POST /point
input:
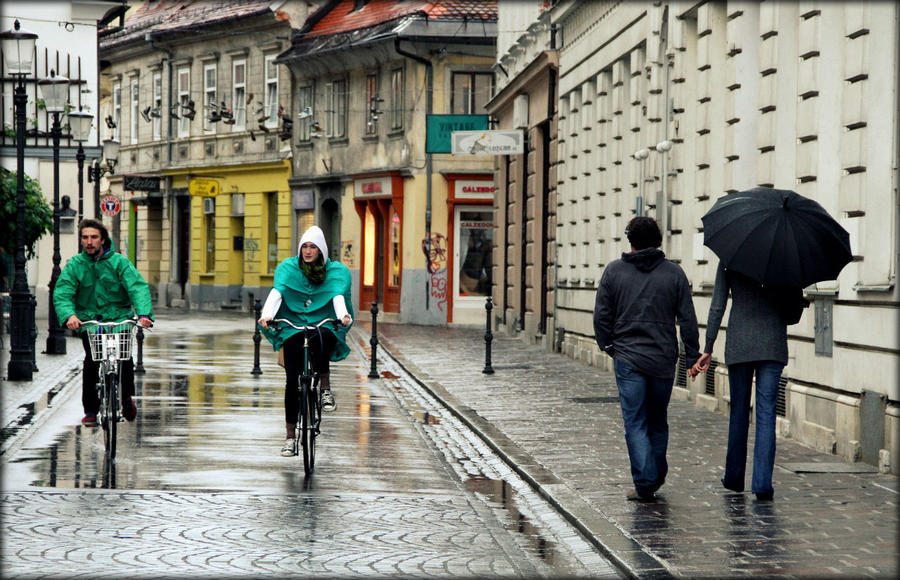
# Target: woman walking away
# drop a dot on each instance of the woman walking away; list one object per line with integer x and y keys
{"x": 308, "y": 289}
{"x": 756, "y": 343}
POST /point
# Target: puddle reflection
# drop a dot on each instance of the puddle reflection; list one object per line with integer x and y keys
{"x": 501, "y": 494}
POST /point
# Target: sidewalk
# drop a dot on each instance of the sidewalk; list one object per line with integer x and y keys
{"x": 559, "y": 422}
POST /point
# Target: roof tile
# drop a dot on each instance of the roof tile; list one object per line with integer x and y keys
{"x": 342, "y": 18}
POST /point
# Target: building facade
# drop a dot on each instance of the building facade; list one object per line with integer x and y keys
{"x": 204, "y": 116}
{"x": 380, "y": 85}
{"x": 722, "y": 97}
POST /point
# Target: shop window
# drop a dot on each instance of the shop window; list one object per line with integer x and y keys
{"x": 271, "y": 232}
{"x": 394, "y": 255}
{"x": 475, "y": 243}
{"x": 210, "y": 219}
{"x": 369, "y": 250}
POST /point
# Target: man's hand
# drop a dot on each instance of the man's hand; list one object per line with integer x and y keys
{"x": 346, "y": 320}
{"x": 264, "y": 322}
{"x": 145, "y": 321}
{"x": 73, "y": 323}
{"x": 701, "y": 366}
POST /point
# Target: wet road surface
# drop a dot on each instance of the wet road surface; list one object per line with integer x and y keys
{"x": 199, "y": 487}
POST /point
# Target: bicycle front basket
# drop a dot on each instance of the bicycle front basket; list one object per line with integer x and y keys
{"x": 112, "y": 341}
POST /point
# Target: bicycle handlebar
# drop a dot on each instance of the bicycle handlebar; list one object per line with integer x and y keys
{"x": 308, "y": 327}
{"x": 131, "y": 321}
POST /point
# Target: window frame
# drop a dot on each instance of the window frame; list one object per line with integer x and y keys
{"x": 306, "y": 97}
{"x": 210, "y": 96}
{"x": 337, "y": 109}
{"x": 471, "y": 106}
{"x": 117, "y": 109}
{"x": 183, "y": 96}
{"x": 397, "y": 98}
{"x": 371, "y": 119}
{"x": 271, "y": 91}
{"x": 239, "y": 105}
{"x": 135, "y": 110}
{"x": 157, "y": 106}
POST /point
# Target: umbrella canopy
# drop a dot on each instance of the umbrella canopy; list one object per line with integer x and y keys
{"x": 777, "y": 237}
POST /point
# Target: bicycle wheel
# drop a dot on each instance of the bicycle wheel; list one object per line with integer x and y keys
{"x": 307, "y": 441}
{"x": 110, "y": 410}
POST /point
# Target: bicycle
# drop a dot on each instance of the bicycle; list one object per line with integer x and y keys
{"x": 309, "y": 420}
{"x": 110, "y": 343}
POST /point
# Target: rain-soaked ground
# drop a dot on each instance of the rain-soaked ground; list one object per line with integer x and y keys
{"x": 199, "y": 486}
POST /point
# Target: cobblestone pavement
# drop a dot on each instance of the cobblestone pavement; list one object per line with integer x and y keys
{"x": 559, "y": 421}
{"x": 401, "y": 488}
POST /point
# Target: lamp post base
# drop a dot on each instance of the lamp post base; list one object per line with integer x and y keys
{"x": 56, "y": 343}
{"x": 21, "y": 323}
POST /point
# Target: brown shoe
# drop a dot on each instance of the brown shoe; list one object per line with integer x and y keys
{"x": 633, "y": 495}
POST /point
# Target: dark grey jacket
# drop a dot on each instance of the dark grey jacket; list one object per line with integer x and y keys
{"x": 755, "y": 330}
{"x": 639, "y": 299}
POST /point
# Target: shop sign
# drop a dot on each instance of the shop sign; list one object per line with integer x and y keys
{"x": 373, "y": 187}
{"x": 203, "y": 187}
{"x": 140, "y": 183}
{"x": 110, "y": 205}
{"x": 487, "y": 143}
{"x": 439, "y": 128}
{"x": 472, "y": 189}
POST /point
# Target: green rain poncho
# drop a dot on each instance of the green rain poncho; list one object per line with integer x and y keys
{"x": 305, "y": 303}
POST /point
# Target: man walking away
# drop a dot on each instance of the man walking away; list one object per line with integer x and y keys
{"x": 639, "y": 300}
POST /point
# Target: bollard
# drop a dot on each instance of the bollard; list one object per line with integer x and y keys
{"x": 32, "y": 300}
{"x": 257, "y": 337}
{"x": 373, "y": 341}
{"x": 488, "y": 337}
{"x": 139, "y": 365}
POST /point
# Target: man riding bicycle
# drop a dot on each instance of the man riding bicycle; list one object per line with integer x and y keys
{"x": 308, "y": 289}
{"x": 101, "y": 284}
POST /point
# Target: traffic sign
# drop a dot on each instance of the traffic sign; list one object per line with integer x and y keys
{"x": 110, "y": 205}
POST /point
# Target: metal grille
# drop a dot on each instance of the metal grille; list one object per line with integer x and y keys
{"x": 781, "y": 399}
{"x": 681, "y": 371}
{"x": 711, "y": 378}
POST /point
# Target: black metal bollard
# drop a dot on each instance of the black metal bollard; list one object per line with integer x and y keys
{"x": 257, "y": 337}
{"x": 488, "y": 337}
{"x": 139, "y": 365}
{"x": 32, "y": 299}
{"x": 373, "y": 341}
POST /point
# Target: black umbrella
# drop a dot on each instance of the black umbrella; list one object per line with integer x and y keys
{"x": 777, "y": 237}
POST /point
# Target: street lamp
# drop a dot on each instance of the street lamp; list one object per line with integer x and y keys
{"x": 18, "y": 52}
{"x": 80, "y": 127}
{"x": 96, "y": 171}
{"x": 55, "y": 92}
{"x": 641, "y": 155}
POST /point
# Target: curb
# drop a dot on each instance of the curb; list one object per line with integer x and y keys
{"x": 624, "y": 552}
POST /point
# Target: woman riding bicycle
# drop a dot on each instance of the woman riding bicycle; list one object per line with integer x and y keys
{"x": 307, "y": 290}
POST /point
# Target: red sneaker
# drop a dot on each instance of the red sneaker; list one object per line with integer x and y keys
{"x": 89, "y": 420}
{"x": 129, "y": 409}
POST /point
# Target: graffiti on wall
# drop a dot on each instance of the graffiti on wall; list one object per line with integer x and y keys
{"x": 348, "y": 256}
{"x": 436, "y": 260}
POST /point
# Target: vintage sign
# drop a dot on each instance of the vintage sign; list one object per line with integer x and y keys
{"x": 439, "y": 128}
{"x": 140, "y": 183}
{"x": 110, "y": 205}
{"x": 487, "y": 143}
{"x": 203, "y": 187}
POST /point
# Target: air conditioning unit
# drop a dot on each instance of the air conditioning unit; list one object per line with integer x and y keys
{"x": 209, "y": 205}
{"x": 237, "y": 204}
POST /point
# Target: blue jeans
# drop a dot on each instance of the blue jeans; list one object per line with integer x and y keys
{"x": 740, "y": 377}
{"x": 645, "y": 401}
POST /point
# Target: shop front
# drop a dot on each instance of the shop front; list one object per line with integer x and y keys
{"x": 378, "y": 200}
{"x": 471, "y": 238}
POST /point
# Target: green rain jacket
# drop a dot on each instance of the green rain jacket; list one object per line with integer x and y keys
{"x": 109, "y": 288}
{"x": 305, "y": 303}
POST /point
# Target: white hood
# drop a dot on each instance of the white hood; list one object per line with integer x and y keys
{"x": 315, "y": 235}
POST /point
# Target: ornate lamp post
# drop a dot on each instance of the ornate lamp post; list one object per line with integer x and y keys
{"x": 80, "y": 127}
{"x": 96, "y": 170}
{"x": 18, "y": 52}
{"x": 55, "y": 92}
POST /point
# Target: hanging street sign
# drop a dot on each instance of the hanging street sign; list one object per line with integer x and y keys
{"x": 110, "y": 205}
{"x": 487, "y": 143}
{"x": 203, "y": 187}
{"x": 438, "y": 129}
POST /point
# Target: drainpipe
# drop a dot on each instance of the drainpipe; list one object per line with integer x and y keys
{"x": 429, "y": 87}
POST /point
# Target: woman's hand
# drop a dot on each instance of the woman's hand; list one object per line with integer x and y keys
{"x": 701, "y": 366}
{"x": 264, "y": 322}
{"x": 346, "y": 320}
